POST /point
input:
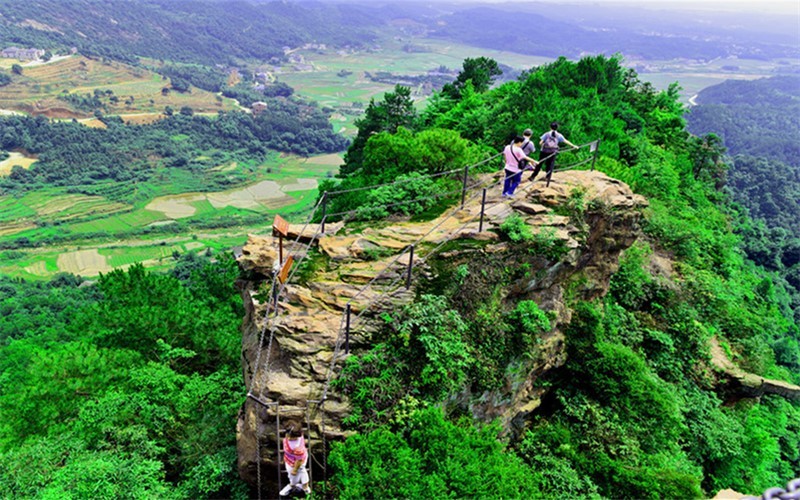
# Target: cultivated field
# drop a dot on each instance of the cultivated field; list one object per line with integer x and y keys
{"x": 323, "y": 84}
{"x": 15, "y": 158}
{"x": 177, "y": 215}
{"x": 104, "y": 234}
{"x": 37, "y": 89}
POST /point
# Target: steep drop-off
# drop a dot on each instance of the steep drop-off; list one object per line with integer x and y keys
{"x": 307, "y": 328}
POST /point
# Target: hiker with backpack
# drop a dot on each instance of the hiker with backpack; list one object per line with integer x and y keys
{"x": 549, "y": 143}
{"x": 528, "y": 147}
{"x": 515, "y": 162}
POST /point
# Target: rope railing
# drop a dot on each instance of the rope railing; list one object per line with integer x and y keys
{"x": 341, "y": 337}
{"x": 321, "y": 203}
{"x": 269, "y": 306}
{"x": 397, "y": 204}
{"x": 428, "y": 176}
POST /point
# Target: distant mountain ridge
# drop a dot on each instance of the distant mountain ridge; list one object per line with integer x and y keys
{"x": 181, "y": 30}
{"x": 539, "y": 30}
{"x": 226, "y": 31}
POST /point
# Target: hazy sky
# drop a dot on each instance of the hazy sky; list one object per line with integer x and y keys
{"x": 780, "y": 6}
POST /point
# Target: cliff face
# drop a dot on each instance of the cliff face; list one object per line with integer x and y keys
{"x": 601, "y": 221}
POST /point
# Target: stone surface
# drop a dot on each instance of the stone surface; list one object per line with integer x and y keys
{"x": 303, "y": 346}
{"x": 743, "y": 384}
{"x": 259, "y": 255}
{"x": 530, "y": 208}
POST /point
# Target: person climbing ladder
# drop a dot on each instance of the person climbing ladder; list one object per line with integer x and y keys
{"x": 295, "y": 457}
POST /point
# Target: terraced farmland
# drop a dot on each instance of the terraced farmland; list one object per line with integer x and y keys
{"x": 33, "y": 209}
{"x": 37, "y": 89}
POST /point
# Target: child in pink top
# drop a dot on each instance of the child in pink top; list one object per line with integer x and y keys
{"x": 295, "y": 456}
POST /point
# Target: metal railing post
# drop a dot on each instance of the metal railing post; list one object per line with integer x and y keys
{"x": 324, "y": 211}
{"x": 347, "y": 330}
{"x": 483, "y": 206}
{"x": 464, "y": 187}
{"x": 308, "y": 446}
{"x": 596, "y": 150}
{"x": 278, "y": 441}
{"x": 410, "y": 266}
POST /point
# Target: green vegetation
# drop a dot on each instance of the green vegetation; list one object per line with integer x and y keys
{"x": 426, "y": 455}
{"x": 78, "y": 86}
{"x": 756, "y": 122}
{"x": 128, "y": 387}
{"x": 637, "y": 411}
{"x": 386, "y": 151}
{"x": 127, "y": 180}
{"x": 199, "y": 32}
{"x": 73, "y": 155}
{"x": 146, "y": 364}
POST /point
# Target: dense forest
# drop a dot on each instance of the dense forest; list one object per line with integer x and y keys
{"x": 129, "y": 386}
{"x": 634, "y": 413}
{"x": 757, "y": 122}
{"x": 70, "y": 154}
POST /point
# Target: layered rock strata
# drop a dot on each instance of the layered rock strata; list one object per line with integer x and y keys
{"x": 291, "y": 373}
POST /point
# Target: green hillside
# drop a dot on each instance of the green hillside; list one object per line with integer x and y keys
{"x": 757, "y": 123}
{"x": 186, "y": 31}
{"x": 130, "y": 387}
{"x": 634, "y": 413}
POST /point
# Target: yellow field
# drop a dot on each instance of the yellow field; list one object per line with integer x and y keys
{"x": 37, "y": 89}
{"x": 15, "y": 227}
{"x": 15, "y": 159}
{"x": 333, "y": 160}
{"x": 84, "y": 262}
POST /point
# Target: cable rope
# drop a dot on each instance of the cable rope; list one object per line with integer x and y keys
{"x": 572, "y": 166}
{"x": 398, "y": 256}
{"x": 429, "y": 176}
{"x": 389, "y": 289}
{"x": 258, "y": 454}
{"x": 399, "y": 203}
{"x": 261, "y": 334}
{"x": 266, "y": 321}
{"x": 274, "y": 325}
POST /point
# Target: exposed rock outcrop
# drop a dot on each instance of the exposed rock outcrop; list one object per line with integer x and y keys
{"x": 298, "y": 345}
{"x": 743, "y": 384}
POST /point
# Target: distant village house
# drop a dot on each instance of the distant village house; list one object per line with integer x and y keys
{"x": 22, "y": 54}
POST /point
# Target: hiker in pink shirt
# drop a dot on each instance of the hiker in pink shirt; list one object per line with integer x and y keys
{"x": 516, "y": 161}
{"x": 295, "y": 456}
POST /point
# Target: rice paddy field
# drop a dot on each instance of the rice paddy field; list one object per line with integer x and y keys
{"x": 323, "y": 84}
{"x": 104, "y": 234}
